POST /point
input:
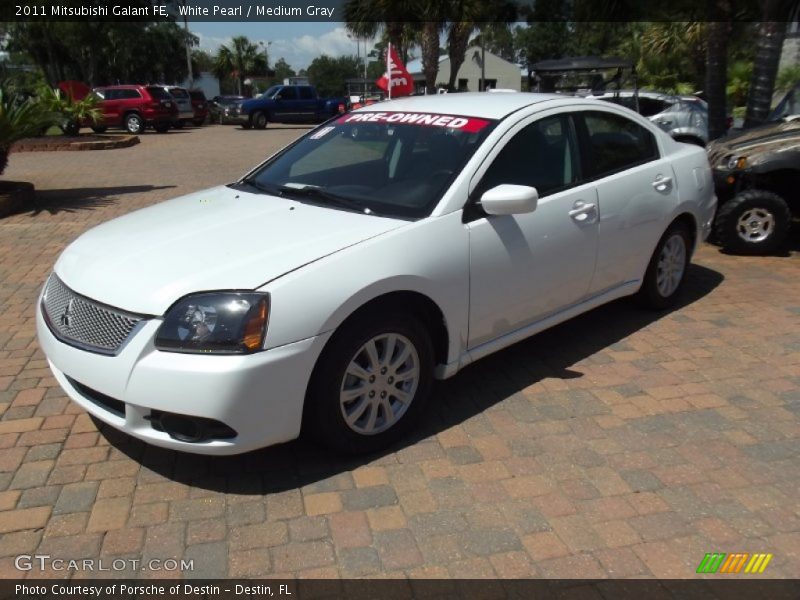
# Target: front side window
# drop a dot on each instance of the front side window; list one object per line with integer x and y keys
{"x": 287, "y": 93}
{"x": 616, "y": 143}
{"x": 542, "y": 155}
{"x": 306, "y": 94}
{"x": 388, "y": 163}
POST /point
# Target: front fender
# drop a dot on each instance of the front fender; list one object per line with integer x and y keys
{"x": 429, "y": 257}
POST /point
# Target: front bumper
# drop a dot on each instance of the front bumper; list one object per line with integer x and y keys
{"x": 260, "y": 396}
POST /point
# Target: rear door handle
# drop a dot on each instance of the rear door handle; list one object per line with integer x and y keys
{"x": 662, "y": 183}
{"x": 582, "y": 211}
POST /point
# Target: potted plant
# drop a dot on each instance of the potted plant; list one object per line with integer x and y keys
{"x": 19, "y": 118}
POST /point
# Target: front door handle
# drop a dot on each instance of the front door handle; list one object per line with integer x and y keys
{"x": 582, "y": 211}
{"x": 662, "y": 183}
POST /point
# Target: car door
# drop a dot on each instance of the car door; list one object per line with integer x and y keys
{"x": 286, "y": 104}
{"x": 111, "y": 106}
{"x": 635, "y": 193}
{"x": 307, "y": 103}
{"x": 525, "y": 267}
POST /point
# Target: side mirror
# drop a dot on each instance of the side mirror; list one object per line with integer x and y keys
{"x": 508, "y": 199}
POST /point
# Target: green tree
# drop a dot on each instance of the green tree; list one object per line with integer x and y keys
{"x": 329, "y": 74}
{"x": 201, "y": 61}
{"x": 238, "y": 60}
{"x": 283, "y": 70}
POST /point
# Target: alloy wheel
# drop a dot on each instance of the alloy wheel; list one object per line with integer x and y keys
{"x": 379, "y": 383}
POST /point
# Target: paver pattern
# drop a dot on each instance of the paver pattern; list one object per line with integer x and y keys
{"x": 625, "y": 443}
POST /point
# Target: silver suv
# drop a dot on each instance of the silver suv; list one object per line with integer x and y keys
{"x": 184, "y": 103}
{"x": 685, "y": 118}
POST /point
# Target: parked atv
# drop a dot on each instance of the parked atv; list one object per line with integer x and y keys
{"x": 757, "y": 180}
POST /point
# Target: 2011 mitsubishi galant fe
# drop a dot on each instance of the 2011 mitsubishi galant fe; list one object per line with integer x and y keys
{"x": 392, "y": 245}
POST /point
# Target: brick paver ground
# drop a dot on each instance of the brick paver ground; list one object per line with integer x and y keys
{"x": 623, "y": 444}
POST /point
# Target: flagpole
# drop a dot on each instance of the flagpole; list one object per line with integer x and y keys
{"x": 389, "y": 68}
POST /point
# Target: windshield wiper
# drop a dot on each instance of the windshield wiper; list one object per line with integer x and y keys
{"x": 311, "y": 191}
{"x": 267, "y": 189}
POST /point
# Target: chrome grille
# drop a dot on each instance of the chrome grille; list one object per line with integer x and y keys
{"x": 80, "y": 321}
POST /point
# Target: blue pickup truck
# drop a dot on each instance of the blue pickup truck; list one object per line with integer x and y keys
{"x": 289, "y": 104}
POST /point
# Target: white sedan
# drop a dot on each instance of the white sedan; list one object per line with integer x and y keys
{"x": 398, "y": 243}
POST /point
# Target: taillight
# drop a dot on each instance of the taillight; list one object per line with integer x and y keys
{"x": 341, "y": 107}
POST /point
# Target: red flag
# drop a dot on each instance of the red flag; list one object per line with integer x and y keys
{"x": 396, "y": 81}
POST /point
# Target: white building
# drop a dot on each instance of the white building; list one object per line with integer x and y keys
{"x": 499, "y": 73}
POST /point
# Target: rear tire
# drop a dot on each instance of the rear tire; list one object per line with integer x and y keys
{"x": 134, "y": 124}
{"x": 666, "y": 273}
{"x": 753, "y": 222}
{"x": 198, "y": 122}
{"x": 260, "y": 120}
{"x": 387, "y": 355}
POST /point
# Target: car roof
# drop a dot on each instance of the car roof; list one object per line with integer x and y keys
{"x": 468, "y": 104}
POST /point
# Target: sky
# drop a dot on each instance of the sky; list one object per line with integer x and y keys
{"x": 298, "y": 43}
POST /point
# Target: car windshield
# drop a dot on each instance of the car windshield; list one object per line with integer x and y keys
{"x": 272, "y": 91}
{"x": 789, "y": 106}
{"x": 386, "y": 163}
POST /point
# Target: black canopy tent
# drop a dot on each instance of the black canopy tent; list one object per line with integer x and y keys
{"x": 548, "y": 73}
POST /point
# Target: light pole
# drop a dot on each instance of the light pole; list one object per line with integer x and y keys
{"x": 266, "y": 59}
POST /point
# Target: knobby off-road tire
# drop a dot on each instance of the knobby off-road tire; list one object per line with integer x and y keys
{"x": 753, "y": 222}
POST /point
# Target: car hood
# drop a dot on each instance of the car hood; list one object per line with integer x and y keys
{"x": 217, "y": 239}
{"x": 770, "y": 137}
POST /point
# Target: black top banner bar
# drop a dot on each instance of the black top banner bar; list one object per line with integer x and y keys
{"x": 368, "y": 11}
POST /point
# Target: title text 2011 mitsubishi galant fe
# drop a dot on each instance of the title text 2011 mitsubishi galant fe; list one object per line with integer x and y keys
{"x": 395, "y": 244}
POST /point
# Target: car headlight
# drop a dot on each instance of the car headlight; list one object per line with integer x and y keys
{"x": 736, "y": 162}
{"x": 215, "y": 323}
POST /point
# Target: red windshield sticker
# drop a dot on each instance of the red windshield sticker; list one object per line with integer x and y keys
{"x": 468, "y": 124}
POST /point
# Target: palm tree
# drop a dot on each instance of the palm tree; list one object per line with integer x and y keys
{"x": 769, "y": 44}
{"x": 457, "y": 41}
{"x": 367, "y": 18}
{"x": 719, "y": 27}
{"x": 238, "y": 59}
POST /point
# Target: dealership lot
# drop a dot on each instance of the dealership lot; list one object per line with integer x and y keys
{"x": 625, "y": 443}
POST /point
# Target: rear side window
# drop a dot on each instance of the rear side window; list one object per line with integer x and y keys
{"x": 616, "y": 143}
{"x": 178, "y": 93}
{"x": 128, "y": 94}
{"x": 305, "y": 93}
{"x": 158, "y": 93}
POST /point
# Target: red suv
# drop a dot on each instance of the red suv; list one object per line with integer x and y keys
{"x": 200, "y": 106}
{"x": 135, "y": 107}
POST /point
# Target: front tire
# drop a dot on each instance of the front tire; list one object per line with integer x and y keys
{"x": 371, "y": 383}
{"x": 666, "y": 273}
{"x": 260, "y": 120}
{"x": 753, "y": 222}
{"x": 134, "y": 124}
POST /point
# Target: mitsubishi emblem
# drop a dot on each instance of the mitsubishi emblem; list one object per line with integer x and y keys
{"x": 66, "y": 316}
